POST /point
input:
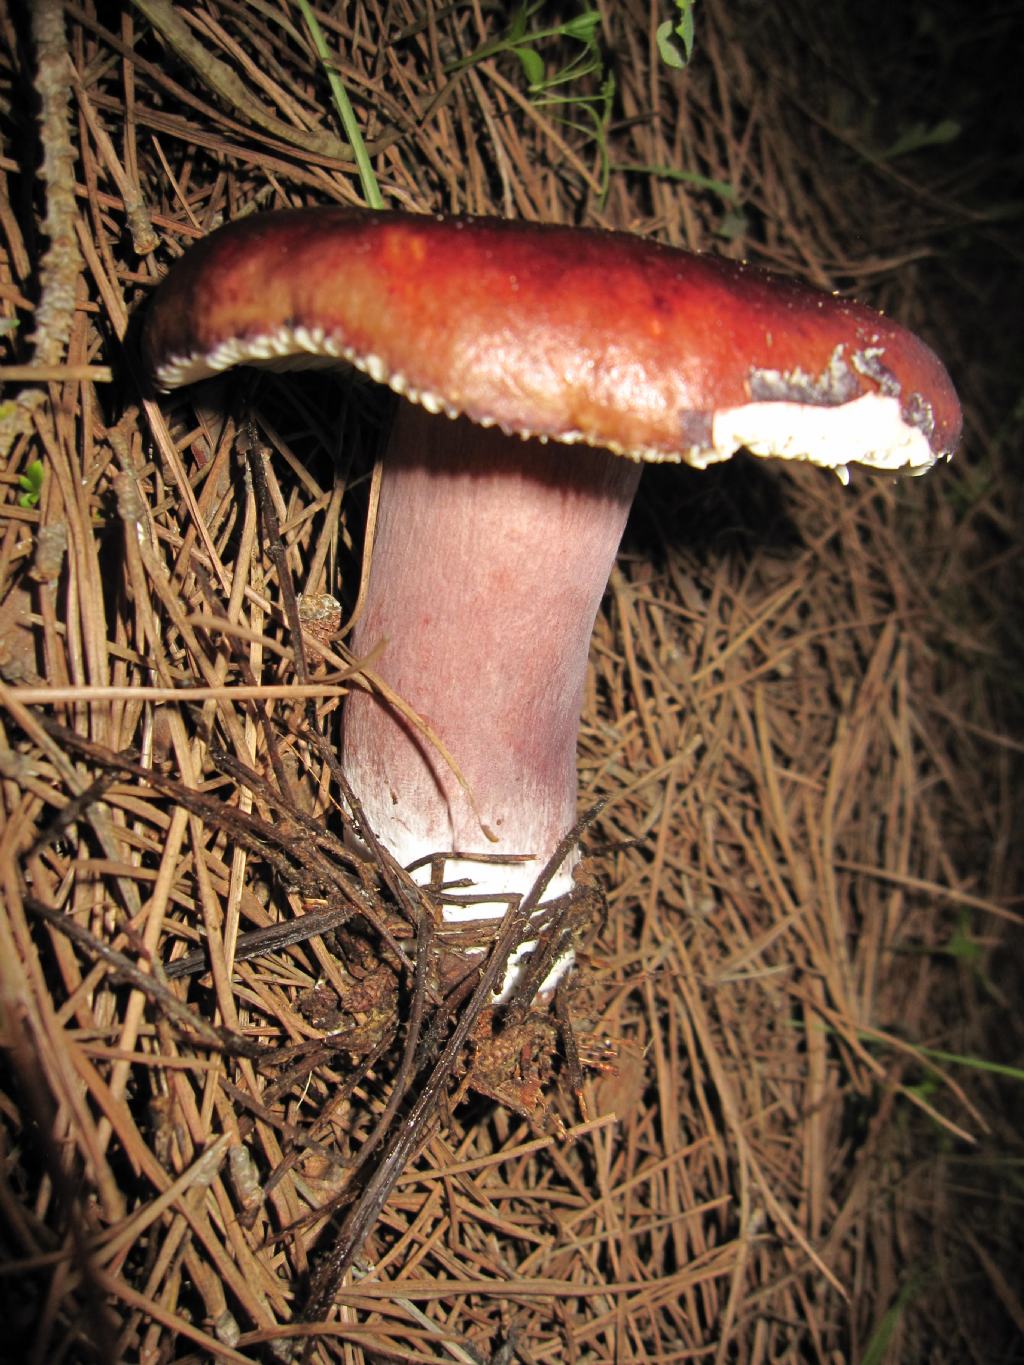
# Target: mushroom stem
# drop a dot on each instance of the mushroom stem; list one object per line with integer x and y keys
{"x": 490, "y": 558}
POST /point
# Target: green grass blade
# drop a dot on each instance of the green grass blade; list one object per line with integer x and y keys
{"x": 371, "y": 190}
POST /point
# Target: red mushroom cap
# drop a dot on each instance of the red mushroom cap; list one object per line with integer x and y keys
{"x": 563, "y": 333}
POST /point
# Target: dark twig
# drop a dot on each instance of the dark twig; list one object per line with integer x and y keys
{"x": 209, "y": 1034}
{"x": 76, "y": 809}
{"x": 569, "y": 912}
{"x": 574, "y": 1067}
{"x": 407, "y": 1067}
{"x": 409, "y": 897}
{"x": 225, "y": 83}
{"x": 260, "y": 942}
{"x": 297, "y": 864}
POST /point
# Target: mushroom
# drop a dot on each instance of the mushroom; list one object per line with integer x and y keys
{"x": 493, "y": 543}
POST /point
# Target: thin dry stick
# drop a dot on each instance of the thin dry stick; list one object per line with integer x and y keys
{"x": 61, "y": 262}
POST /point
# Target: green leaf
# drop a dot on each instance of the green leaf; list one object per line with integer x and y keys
{"x": 875, "y": 1351}
{"x": 584, "y": 27}
{"x": 921, "y": 135}
{"x": 734, "y": 224}
{"x": 675, "y": 39}
{"x": 666, "y": 40}
{"x": 32, "y": 484}
{"x": 32, "y": 479}
{"x": 532, "y": 64}
{"x": 962, "y": 946}
{"x": 517, "y": 28}
{"x": 702, "y": 182}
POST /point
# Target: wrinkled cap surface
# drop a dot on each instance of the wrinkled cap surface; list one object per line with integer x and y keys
{"x": 564, "y": 333}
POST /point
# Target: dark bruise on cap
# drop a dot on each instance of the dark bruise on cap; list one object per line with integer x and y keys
{"x": 568, "y": 334}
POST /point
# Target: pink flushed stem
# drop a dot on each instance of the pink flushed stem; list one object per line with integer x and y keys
{"x": 489, "y": 562}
